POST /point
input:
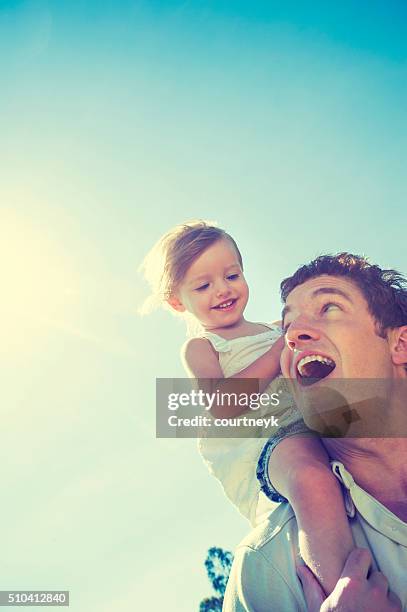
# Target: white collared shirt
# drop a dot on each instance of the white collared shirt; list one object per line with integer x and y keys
{"x": 263, "y": 576}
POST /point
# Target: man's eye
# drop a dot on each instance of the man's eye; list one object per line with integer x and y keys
{"x": 202, "y": 287}
{"x": 327, "y": 307}
{"x": 233, "y": 276}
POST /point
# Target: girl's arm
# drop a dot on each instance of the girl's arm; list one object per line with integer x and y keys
{"x": 299, "y": 469}
{"x": 201, "y": 361}
{"x": 266, "y": 367}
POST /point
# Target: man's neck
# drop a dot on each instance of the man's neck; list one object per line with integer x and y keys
{"x": 378, "y": 465}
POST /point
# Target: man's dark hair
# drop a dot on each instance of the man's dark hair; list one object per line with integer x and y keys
{"x": 385, "y": 291}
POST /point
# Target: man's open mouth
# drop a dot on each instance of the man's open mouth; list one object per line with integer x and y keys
{"x": 312, "y": 368}
{"x": 225, "y": 305}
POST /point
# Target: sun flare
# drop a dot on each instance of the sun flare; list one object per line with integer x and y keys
{"x": 36, "y": 277}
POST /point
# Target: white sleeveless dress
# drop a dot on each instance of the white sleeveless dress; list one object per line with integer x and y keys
{"x": 233, "y": 461}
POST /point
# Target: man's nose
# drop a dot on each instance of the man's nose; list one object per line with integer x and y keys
{"x": 300, "y": 333}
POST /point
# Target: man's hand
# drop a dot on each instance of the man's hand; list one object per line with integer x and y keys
{"x": 356, "y": 589}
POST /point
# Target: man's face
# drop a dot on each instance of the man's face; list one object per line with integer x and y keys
{"x": 330, "y": 333}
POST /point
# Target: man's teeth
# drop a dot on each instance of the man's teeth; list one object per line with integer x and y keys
{"x": 225, "y": 304}
{"x": 303, "y": 362}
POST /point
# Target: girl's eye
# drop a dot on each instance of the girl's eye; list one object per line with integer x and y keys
{"x": 202, "y": 287}
{"x": 232, "y": 276}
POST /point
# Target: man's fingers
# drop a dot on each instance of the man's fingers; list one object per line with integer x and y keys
{"x": 366, "y": 591}
{"x": 378, "y": 579}
{"x": 313, "y": 593}
{"x": 357, "y": 564}
{"x": 395, "y": 601}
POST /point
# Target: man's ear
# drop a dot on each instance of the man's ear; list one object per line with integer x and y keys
{"x": 398, "y": 345}
{"x": 176, "y": 304}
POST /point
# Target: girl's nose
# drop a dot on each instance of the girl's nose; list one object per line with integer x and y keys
{"x": 222, "y": 288}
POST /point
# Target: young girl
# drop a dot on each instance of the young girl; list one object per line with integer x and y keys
{"x": 197, "y": 270}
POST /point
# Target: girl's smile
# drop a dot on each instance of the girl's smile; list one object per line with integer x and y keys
{"x": 226, "y": 306}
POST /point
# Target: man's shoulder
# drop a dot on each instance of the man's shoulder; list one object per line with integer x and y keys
{"x": 272, "y": 531}
{"x": 273, "y": 544}
{"x": 263, "y": 574}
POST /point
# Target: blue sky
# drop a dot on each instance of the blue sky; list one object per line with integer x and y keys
{"x": 284, "y": 122}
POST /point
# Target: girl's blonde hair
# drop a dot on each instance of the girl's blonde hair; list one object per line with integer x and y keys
{"x": 168, "y": 261}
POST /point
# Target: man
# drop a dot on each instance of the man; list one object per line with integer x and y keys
{"x": 354, "y": 314}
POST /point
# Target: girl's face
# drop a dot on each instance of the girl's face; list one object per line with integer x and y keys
{"x": 214, "y": 289}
